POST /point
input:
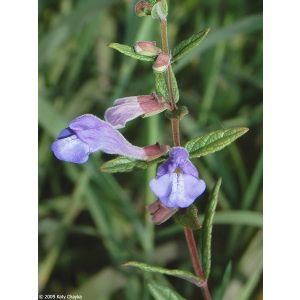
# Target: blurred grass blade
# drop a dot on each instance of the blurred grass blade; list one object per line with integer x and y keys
{"x": 188, "y": 276}
{"x": 160, "y": 292}
{"x": 247, "y": 200}
{"x": 65, "y": 27}
{"x": 99, "y": 286}
{"x": 213, "y": 141}
{"x": 239, "y": 217}
{"x": 52, "y": 121}
{"x": 207, "y": 228}
{"x": 225, "y": 281}
{"x": 189, "y": 44}
{"x": 245, "y": 25}
{"x": 247, "y": 272}
{"x": 129, "y": 51}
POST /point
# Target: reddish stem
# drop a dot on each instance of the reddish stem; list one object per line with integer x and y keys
{"x": 196, "y": 262}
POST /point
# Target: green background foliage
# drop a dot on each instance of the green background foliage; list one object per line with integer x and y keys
{"x": 90, "y": 223}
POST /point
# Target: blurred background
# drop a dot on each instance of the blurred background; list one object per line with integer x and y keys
{"x": 90, "y": 222}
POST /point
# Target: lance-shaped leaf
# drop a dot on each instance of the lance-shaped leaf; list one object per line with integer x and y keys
{"x": 189, "y": 44}
{"x": 207, "y": 228}
{"x": 161, "y": 292}
{"x": 125, "y": 164}
{"x": 161, "y": 86}
{"x": 174, "y": 85}
{"x": 213, "y": 141}
{"x": 188, "y": 276}
{"x": 129, "y": 51}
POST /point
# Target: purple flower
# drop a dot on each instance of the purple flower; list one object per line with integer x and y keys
{"x": 177, "y": 183}
{"x": 87, "y": 134}
{"x": 129, "y": 108}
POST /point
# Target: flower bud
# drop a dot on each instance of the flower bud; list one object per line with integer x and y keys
{"x": 143, "y": 8}
{"x": 147, "y": 48}
{"x": 162, "y": 63}
{"x": 129, "y": 108}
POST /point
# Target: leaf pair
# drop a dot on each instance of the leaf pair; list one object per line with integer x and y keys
{"x": 182, "y": 49}
{"x": 197, "y": 147}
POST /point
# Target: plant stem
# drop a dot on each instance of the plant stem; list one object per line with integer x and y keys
{"x": 176, "y": 140}
{"x": 166, "y": 50}
{"x": 196, "y": 262}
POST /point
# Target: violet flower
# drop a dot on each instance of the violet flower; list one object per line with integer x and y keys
{"x": 129, "y": 108}
{"x": 177, "y": 184}
{"x": 87, "y": 134}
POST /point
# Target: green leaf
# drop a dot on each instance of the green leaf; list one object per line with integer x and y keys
{"x": 176, "y": 273}
{"x": 213, "y": 141}
{"x": 185, "y": 46}
{"x": 174, "y": 85}
{"x": 188, "y": 217}
{"x": 160, "y": 10}
{"x": 160, "y": 292}
{"x": 207, "y": 228}
{"x": 126, "y": 164}
{"x": 161, "y": 86}
{"x": 129, "y": 51}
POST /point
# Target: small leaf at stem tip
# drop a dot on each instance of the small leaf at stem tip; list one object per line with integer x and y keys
{"x": 143, "y": 8}
{"x": 213, "y": 141}
{"x": 207, "y": 228}
{"x": 125, "y": 164}
{"x": 160, "y": 10}
{"x": 189, "y": 44}
{"x": 129, "y": 51}
{"x": 188, "y": 276}
{"x": 188, "y": 217}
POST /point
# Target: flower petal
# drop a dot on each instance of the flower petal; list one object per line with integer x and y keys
{"x": 162, "y": 186}
{"x": 71, "y": 149}
{"x": 123, "y": 112}
{"x": 179, "y": 154}
{"x": 101, "y": 136}
{"x": 194, "y": 187}
{"x": 167, "y": 167}
{"x": 129, "y": 108}
{"x": 187, "y": 167}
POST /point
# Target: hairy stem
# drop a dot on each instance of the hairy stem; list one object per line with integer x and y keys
{"x": 196, "y": 262}
{"x": 176, "y": 140}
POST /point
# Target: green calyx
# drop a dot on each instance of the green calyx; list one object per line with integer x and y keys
{"x": 179, "y": 113}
